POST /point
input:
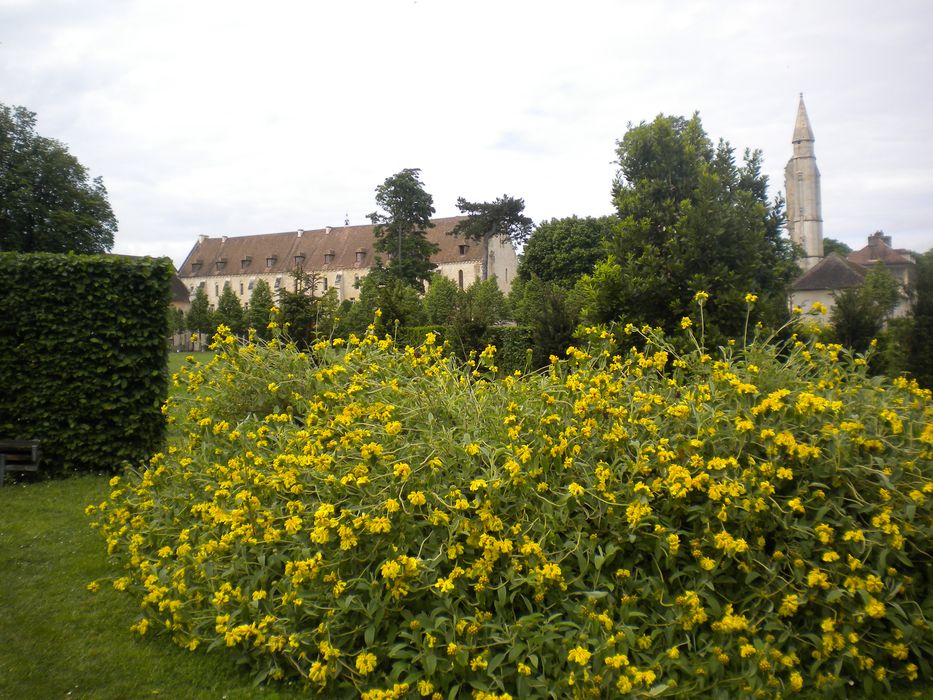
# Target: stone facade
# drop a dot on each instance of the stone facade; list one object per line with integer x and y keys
{"x": 802, "y": 184}
{"x": 340, "y": 256}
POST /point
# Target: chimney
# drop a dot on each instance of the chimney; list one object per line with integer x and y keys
{"x": 202, "y": 238}
{"x": 328, "y": 229}
{"x": 300, "y": 232}
{"x": 223, "y": 239}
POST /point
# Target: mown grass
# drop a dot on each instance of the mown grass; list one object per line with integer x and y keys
{"x": 57, "y": 639}
{"x": 177, "y": 359}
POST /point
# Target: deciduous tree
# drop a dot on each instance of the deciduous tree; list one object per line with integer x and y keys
{"x": 47, "y": 201}
{"x": 690, "y": 220}
{"x": 563, "y": 250}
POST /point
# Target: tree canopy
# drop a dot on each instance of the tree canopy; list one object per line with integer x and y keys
{"x": 47, "y": 201}
{"x": 400, "y": 227}
{"x": 486, "y": 220}
{"x": 690, "y": 220}
{"x": 562, "y": 250}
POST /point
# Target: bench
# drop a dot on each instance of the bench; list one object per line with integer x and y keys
{"x": 19, "y": 456}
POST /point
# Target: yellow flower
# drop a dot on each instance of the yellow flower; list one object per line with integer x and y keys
{"x": 700, "y": 297}
{"x": 365, "y": 663}
{"x": 751, "y": 298}
{"x": 575, "y": 489}
{"x": 579, "y": 655}
{"x": 416, "y": 498}
{"x": 685, "y": 323}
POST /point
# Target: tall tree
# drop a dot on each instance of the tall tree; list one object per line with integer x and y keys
{"x": 562, "y": 250}
{"x": 831, "y": 245}
{"x": 258, "y": 313}
{"x": 440, "y": 301}
{"x": 400, "y": 227}
{"x": 47, "y": 201}
{"x": 200, "y": 315}
{"x": 690, "y": 220}
{"x": 859, "y": 313}
{"x": 919, "y": 357}
{"x": 229, "y": 310}
{"x": 487, "y": 220}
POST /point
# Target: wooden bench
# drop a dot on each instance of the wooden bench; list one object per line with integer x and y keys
{"x": 19, "y": 456}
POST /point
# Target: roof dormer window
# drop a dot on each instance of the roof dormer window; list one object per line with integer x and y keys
{"x": 360, "y": 255}
{"x": 196, "y": 265}
{"x": 221, "y": 264}
{"x": 299, "y": 260}
{"x": 271, "y": 260}
{"x": 328, "y": 257}
{"x": 463, "y": 249}
{"x": 244, "y": 263}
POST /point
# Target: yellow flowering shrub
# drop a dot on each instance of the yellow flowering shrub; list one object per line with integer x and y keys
{"x": 384, "y": 522}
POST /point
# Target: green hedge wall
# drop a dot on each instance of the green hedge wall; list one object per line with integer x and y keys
{"x": 83, "y": 356}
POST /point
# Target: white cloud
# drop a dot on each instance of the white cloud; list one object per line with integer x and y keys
{"x": 234, "y": 118}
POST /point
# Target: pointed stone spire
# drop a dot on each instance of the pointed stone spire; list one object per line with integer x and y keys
{"x": 802, "y": 185}
{"x": 802, "y": 130}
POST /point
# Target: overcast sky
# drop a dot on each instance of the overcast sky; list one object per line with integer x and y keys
{"x": 234, "y": 118}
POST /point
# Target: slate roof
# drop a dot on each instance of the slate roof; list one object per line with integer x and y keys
{"x": 832, "y": 272}
{"x": 332, "y": 248}
{"x": 179, "y": 291}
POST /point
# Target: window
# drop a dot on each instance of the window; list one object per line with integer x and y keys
{"x": 252, "y": 281}
{"x": 278, "y": 282}
{"x": 460, "y": 276}
{"x": 216, "y": 290}
{"x": 325, "y": 283}
{"x": 328, "y": 257}
{"x": 356, "y": 280}
{"x": 299, "y": 260}
{"x": 241, "y": 289}
{"x": 360, "y": 255}
{"x": 463, "y": 248}
{"x": 226, "y": 284}
{"x": 271, "y": 260}
{"x": 196, "y": 266}
{"x": 244, "y": 263}
{"x": 221, "y": 264}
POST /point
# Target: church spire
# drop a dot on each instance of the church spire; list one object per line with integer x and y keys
{"x": 802, "y": 185}
{"x": 802, "y": 130}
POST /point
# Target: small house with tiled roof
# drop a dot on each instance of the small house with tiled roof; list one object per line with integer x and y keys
{"x": 834, "y": 274}
{"x": 340, "y": 256}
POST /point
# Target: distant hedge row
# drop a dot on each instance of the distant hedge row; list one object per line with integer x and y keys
{"x": 82, "y": 356}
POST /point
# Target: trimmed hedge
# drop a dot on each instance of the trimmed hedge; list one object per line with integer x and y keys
{"x": 83, "y": 356}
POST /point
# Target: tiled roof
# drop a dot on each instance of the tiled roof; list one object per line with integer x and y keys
{"x": 832, "y": 272}
{"x": 332, "y": 248}
{"x": 879, "y": 249}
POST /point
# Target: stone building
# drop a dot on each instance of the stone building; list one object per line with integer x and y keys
{"x": 340, "y": 256}
{"x": 825, "y": 276}
{"x": 802, "y": 184}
